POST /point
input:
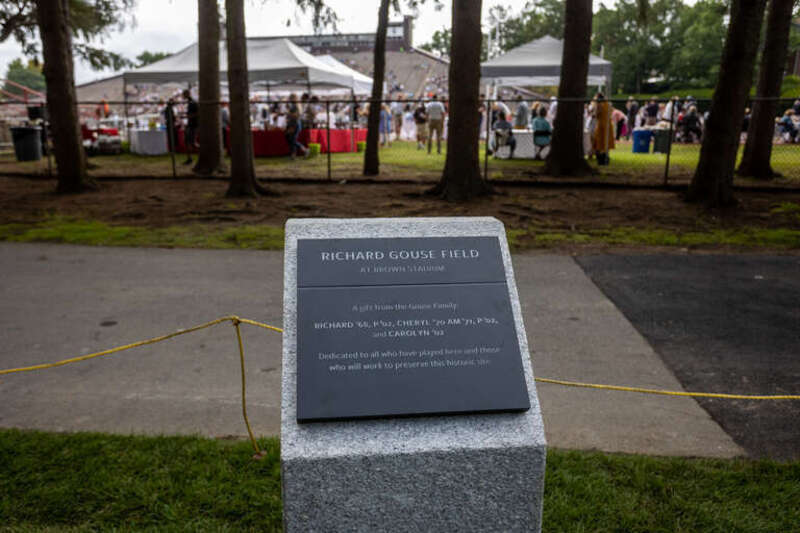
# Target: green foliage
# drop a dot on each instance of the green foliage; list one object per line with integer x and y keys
{"x": 537, "y": 19}
{"x": 680, "y": 43}
{"x": 790, "y": 88}
{"x": 100, "y": 482}
{"x": 147, "y": 57}
{"x": 786, "y": 207}
{"x": 29, "y": 75}
{"x": 90, "y": 21}
{"x": 322, "y": 15}
{"x": 439, "y": 43}
{"x": 696, "y": 62}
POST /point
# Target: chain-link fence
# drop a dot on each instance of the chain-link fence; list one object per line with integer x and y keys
{"x": 649, "y": 142}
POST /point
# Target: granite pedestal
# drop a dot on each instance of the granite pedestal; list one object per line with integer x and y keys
{"x": 474, "y": 472}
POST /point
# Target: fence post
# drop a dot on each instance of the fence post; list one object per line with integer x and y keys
{"x": 328, "y": 128}
{"x": 669, "y": 145}
{"x": 43, "y": 114}
{"x": 169, "y": 116}
{"x": 125, "y": 104}
{"x": 488, "y": 114}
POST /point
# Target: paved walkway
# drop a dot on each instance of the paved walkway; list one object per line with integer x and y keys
{"x": 60, "y": 301}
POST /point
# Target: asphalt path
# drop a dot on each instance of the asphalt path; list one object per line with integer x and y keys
{"x": 58, "y": 301}
{"x": 721, "y": 323}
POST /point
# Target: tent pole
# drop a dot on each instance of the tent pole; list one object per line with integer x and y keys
{"x": 353, "y": 119}
{"x": 328, "y": 127}
{"x": 125, "y": 103}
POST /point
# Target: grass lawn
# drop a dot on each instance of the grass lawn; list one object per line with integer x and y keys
{"x": 96, "y": 233}
{"x": 402, "y": 160}
{"x": 266, "y": 237}
{"x": 70, "y": 482}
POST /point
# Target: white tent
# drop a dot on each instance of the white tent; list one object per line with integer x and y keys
{"x": 538, "y": 64}
{"x": 275, "y": 62}
{"x": 362, "y": 84}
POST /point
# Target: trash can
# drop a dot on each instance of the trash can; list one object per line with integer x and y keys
{"x": 641, "y": 141}
{"x": 27, "y": 143}
{"x": 660, "y": 141}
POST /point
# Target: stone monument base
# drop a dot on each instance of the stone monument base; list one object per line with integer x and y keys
{"x": 453, "y": 490}
{"x": 479, "y": 472}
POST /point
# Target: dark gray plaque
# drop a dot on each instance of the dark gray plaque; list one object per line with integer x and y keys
{"x": 416, "y": 326}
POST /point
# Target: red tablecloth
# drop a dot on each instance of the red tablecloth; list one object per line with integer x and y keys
{"x": 88, "y": 133}
{"x": 273, "y": 142}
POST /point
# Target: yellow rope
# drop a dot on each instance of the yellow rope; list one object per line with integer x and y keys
{"x": 668, "y": 392}
{"x": 117, "y": 349}
{"x": 236, "y": 321}
{"x": 259, "y": 324}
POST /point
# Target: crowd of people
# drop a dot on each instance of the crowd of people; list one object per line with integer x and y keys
{"x": 688, "y": 123}
{"x": 425, "y": 121}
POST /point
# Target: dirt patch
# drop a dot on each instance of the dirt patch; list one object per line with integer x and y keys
{"x": 540, "y": 209}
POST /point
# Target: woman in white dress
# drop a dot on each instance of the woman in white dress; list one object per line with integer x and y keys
{"x": 408, "y": 131}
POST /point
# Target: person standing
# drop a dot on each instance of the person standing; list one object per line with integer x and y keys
{"x": 293, "y": 127}
{"x": 787, "y": 124}
{"x": 603, "y": 137}
{"x": 542, "y": 134}
{"x": 435, "y": 110}
{"x": 190, "y": 132}
{"x": 481, "y": 117}
{"x": 409, "y": 131}
{"x": 632, "y": 107}
{"x": 671, "y": 110}
{"x": 522, "y": 117}
{"x": 651, "y": 113}
{"x": 169, "y": 123}
{"x": 397, "y": 109}
{"x": 691, "y": 125}
{"x": 618, "y": 118}
{"x": 421, "y": 121}
{"x": 385, "y": 125}
{"x": 552, "y": 110}
{"x": 225, "y": 121}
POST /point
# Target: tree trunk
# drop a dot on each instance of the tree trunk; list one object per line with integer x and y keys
{"x": 61, "y": 100}
{"x": 566, "y": 156}
{"x": 461, "y": 179}
{"x": 713, "y": 179}
{"x": 758, "y": 150}
{"x": 243, "y": 175}
{"x": 371, "y": 162}
{"x": 209, "y": 159}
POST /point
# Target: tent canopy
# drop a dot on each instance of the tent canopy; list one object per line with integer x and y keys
{"x": 273, "y": 61}
{"x": 538, "y": 63}
{"x": 362, "y": 84}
